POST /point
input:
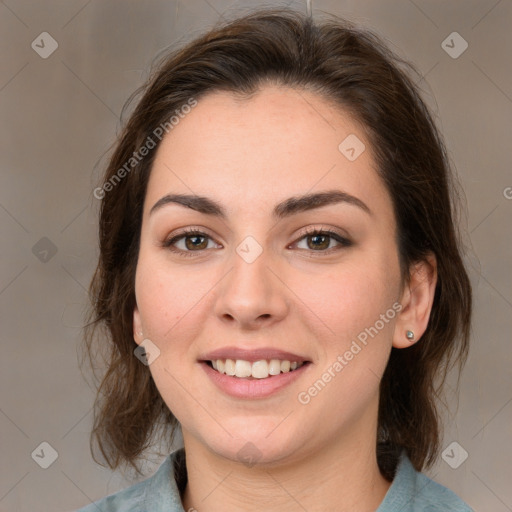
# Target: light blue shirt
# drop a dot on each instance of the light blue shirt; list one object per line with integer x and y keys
{"x": 410, "y": 491}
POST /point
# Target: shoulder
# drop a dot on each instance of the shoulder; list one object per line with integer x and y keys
{"x": 157, "y": 493}
{"x": 415, "y": 492}
{"x": 432, "y": 496}
{"x": 122, "y": 501}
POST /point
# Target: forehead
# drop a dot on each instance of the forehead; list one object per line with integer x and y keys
{"x": 253, "y": 153}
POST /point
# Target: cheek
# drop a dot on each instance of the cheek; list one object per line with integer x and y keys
{"x": 169, "y": 304}
{"x": 355, "y": 305}
{"x": 351, "y": 298}
{"x": 167, "y": 300}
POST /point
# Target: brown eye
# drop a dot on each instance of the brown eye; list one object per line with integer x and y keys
{"x": 195, "y": 242}
{"x": 191, "y": 241}
{"x": 320, "y": 241}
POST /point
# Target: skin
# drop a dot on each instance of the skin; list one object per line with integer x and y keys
{"x": 248, "y": 156}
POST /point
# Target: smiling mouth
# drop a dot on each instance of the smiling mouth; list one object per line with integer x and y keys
{"x": 261, "y": 369}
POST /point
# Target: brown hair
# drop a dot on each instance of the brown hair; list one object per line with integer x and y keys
{"x": 355, "y": 70}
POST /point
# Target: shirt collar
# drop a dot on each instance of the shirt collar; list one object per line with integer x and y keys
{"x": 163, "y": 494}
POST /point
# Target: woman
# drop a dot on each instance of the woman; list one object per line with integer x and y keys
{"x": 280, "y": 277}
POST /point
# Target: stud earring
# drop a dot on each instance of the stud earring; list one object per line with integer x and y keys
{"x": 410, "y": 335}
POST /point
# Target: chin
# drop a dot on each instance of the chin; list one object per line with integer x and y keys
{"x": 258, "y": 443}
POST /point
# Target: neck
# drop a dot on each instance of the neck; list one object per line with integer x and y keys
{"x": 340, "y": 477}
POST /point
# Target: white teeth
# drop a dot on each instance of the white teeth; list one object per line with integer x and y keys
{"x": 274, "y": 368}
{"x": 259, "y": 369}
{"x": 229, "y": 367}
{"x": 243, "y": 368}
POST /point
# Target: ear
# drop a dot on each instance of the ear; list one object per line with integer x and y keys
{"x": 417, "y": 299}
{"x": 138, "y": 332}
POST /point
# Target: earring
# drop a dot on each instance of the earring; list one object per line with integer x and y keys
{"x": 410, "y": 335}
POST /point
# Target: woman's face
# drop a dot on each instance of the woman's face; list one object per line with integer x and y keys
{"x": 256, "y": 285}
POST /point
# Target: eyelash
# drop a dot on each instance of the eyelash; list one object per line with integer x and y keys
{"x": 343, "y": 241}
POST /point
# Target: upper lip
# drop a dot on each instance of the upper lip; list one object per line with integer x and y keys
{"x": 252, "y": 355}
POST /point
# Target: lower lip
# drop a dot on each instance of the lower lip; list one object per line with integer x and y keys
{"x": 252, "y": 388}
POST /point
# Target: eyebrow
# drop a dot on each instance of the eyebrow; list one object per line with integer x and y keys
{"x": 286, "y": 208}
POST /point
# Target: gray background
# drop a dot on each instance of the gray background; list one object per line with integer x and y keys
{"x": 60, "y": 114}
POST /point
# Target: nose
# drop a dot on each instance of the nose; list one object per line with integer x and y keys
{"x": 252, "y": 294}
